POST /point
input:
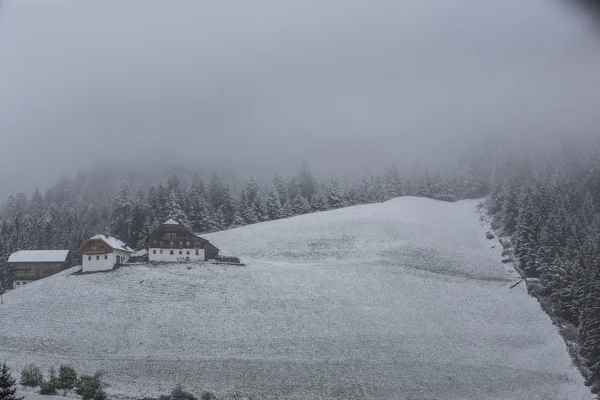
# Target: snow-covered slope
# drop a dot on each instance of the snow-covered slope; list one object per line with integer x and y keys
{"x": 400, "y": 300}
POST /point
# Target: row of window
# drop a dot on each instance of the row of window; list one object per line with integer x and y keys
{"x": 172, "y": 252}
{"x": 21, "y": 283}
{"x": 172, "y": 243}
{"x": 97, "y": 258}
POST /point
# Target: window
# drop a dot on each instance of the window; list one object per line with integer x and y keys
{"x": 181, "y": 243}
{"x": 161, "y": 243}
{"x": 24, "y": 283}
{"x": 197, "y": 252}
{"x": 161, "y": 252}
{"x": 180, "y": 252}
{"x": 171, "y": 234}
{"x": 106, "y": 257}
{"x": 18, "y": 283}
{"x": 97, "y": 257}
{"x": 89, "y": 258}
{"x": 171, "y": 252}
{"x": 154, "y": 251}
{"x": 188, "y": 243}
{"x": 172, "y": 243}
{"x": 154, "y": 242}
{"x": 93, "y": 245}
{"x": 187, "y": 252}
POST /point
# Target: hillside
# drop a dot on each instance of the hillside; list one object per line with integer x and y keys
{"x": 399, "y": 300}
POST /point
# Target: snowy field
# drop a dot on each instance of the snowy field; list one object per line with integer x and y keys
{"x": 400, "y": 300}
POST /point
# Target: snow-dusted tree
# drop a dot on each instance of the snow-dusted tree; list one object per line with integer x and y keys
{"x": 478, "y": 177}
{"x": 301, "y": 205}
{"x": 589, "y": 331}
{"x": 8, "y": 384}
{"x": 393, "y": 183}
{"x": 335, "y": 195}
{"x": 274, "y": 207}
{"x": 122, "y": 213}
{"x": 306, "y": 183}
{"x": 36, "y": 205}
{"x": 219, "y": 197}
{"x": 137, "y": 231}
{"x": 363, "y": 191}
{"x": 319, "y": 202}
{"x": 198, "y": 213}
{"x": 174, "y": 209}
{"x": 376, "y": 192}
{"x": 251, "y": 204}
{"x": 281, "y": 186}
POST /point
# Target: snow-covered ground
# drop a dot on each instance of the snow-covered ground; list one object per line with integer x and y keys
{"x": 400, "y": 300}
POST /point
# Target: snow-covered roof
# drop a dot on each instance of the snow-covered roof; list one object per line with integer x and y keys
{"x": 114, "y": 243}
{"x": 39, "y": 256}
{"x": 171, "y": 222}
{"x": 140, "y": 253}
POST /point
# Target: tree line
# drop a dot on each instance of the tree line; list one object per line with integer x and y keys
{"x": 545, "y": 206}
{"x": 547, "y": 209}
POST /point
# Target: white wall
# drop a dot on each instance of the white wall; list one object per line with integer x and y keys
{"x": 102, "y": 262}
{"x": 105, "y": 263}
{"x": 155, "y": 255}
{"x": 124, "y": 256}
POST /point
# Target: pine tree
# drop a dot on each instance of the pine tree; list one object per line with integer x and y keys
{"x": 122, "y": 212}
{"x": 8, "y": 384}
{"x": 393, "y": 183}
{"x": 301, "y": 205}
{"x": 174, "y": 209}
{"x": 589, "y": 331}
{"x": 286, "y": 210}
{"x": 221, "y": 201}
{"x": 306, "y": 183}
{"x": 281, "y": 187}
{"x": 319, "y": 202}
{"x": 274, "y": 208}
{"x": 335, "y": 196}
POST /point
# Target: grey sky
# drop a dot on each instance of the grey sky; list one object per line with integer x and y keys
{"x": 339, "y": 83}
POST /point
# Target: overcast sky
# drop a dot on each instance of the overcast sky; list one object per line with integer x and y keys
{"x": 267, "y": 83}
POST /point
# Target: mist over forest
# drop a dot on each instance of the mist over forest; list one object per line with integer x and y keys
{"x": 118, "y": 116}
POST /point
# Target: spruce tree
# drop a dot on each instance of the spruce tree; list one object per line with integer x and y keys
{"x": 335, "y": 195}
{"x": 301, "y": 205}
{"x": 8, "y": 384}
{"x": 274, "y": 208}
{"x": 319, "y": 202}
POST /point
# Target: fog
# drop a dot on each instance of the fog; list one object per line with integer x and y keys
{"x": 264, "y": 85}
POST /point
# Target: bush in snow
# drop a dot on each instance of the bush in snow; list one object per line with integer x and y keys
{"x": 179, "y": 394}
{"x": 91, "y": 387}
{"x": 48, "y": 388}
{"x": 31, "y": 376}
{"x": 67, "y": 377}
{"x": 208, "y": 396}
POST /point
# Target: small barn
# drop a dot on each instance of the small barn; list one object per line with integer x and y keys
{"x": 103, "y": 253}
{"x": 27, "y": 266}
{"x": 172, "y": 242}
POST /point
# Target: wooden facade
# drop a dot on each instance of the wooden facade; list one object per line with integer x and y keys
{"x": 95, "y": 247}
{"x": 103, "y": 253}
{"x": 173, "y": 236}
{"x": 25, "y": 270}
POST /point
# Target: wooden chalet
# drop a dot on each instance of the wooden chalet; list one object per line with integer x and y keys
{"x": 172, "y": 242}
{"x": 103, "y": 253}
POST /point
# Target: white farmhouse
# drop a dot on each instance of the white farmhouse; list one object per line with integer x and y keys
{"x": 102, "y": 253}
{"x": 172, "y": 242}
